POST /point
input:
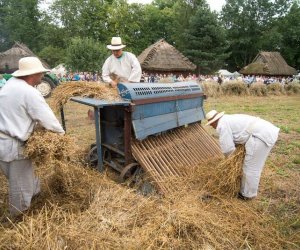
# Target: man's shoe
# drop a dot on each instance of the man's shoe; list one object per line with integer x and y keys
{"x": 244, "y": 198}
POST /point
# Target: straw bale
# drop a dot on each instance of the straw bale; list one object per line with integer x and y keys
{"x": 234, "y": 88}
{"x": 275, "y": 89}
{"x": 212, "y": 89}
{"x": 65, "y": 91}
{"x": 292, "y": 88}
{"x": 258, "y": 89}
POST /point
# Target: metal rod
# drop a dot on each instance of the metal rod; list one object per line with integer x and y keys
{"x": 127, "y": 136}
{"x": 62, "y": 116}
{"x": 98, "y": 138}
{"x": 113, "y": 149}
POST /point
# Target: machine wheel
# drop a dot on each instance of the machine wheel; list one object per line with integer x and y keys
{"x": 127, "y": 171}
{"x": 92, "y": 156}
{"x": 45, "y": 87}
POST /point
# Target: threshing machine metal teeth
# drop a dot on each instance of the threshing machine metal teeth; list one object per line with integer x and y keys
{"x": 169, "y": 155}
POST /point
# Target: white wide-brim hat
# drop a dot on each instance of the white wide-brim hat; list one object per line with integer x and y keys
{"x": 213, "y": 116}
{"x": 116, "y": 44}
{"x": 29, "y": 66}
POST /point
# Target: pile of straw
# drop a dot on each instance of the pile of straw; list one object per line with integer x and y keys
{"x": 82, "y": 209}
{"x": 65, "y": 91}
{"x": 118, "y": 218}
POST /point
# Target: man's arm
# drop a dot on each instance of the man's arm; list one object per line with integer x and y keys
{"x": 40, "y": 111}
{"x": 136, "y": 70}
{"x": 226, "y": 140}
{"x": 106, "y": 71}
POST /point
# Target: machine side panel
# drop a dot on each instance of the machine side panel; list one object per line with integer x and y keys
{"x": 164, "y": 122}
{"x": 154, "y": 109}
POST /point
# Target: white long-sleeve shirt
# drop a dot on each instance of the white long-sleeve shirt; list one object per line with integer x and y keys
{"x": 236, "y": 129}
{"x": 21, "y": 106}
{"x": 126, "y": 67}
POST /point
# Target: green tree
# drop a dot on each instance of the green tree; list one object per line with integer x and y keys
{"x": 82, "y": 18}
{"x": 85, "y": 54}
{"x": 20, "y": 22}
{"x": 205, "y": 41}
{"x": 156, "y": 24}
{"x": 52, "y": 55}
{"x": 4, "y": 34}
{"x": 183, "y": 11}
{"x": 247, "y": 21}
{"x": 289, "y": 28}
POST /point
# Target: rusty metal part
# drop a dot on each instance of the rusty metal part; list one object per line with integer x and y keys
{"x": 170, "y": 154}
{"x": 127, "y": 171}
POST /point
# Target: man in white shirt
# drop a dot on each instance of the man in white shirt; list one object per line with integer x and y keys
{"x": 258, "y": 136}
{"x": 121, "y": 65}
{"x": 22, "y": 107}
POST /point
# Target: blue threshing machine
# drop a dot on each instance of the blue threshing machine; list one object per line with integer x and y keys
{"x": 147, "y": 109}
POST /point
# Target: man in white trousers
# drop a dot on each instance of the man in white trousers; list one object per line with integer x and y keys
{"x": 123, "y": 65}
{"x": 258, "y": 136}
{"x": 21, "y": 108}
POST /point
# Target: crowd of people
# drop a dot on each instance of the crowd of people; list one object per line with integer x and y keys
{"x": 172, "y": 78}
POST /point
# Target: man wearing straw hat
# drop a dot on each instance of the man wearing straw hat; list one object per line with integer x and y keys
{"x": 22, "y": 107}
{"x": 121, "y": 65}
{"x": 258, "y": 136}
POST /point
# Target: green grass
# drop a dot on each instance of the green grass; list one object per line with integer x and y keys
{"x": 284, "y": 129}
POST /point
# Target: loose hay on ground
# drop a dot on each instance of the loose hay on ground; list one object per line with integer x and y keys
{"x": 115, "y": 217}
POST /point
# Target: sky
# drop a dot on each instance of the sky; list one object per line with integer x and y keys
{"x": 214, "y": 4}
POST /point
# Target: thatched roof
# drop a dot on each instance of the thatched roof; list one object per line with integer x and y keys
{"x": 9, "y": 59}
{"x": 268, "y": 63}
{"x": 163, "y": 57}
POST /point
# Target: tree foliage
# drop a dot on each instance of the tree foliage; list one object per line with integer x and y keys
{"x": 85, "y": 54}
{"x": 249, "y": 26}
{"x": 20, "y": 22}
{"x": 205, "y": 41}
{"x": 52, "y": 55}
{"x": 289, "y": 28}
{"x": 247, "y": 22}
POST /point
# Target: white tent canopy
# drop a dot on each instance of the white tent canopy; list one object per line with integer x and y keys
{"x": 224, "y": 72}
{"x": 59, "y": 70}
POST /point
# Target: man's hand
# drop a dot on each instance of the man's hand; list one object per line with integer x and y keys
{"x": 114, "y": 83}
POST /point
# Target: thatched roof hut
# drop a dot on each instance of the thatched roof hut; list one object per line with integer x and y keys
{"x": 161, "y": 57}
{"x": 269, "y": 63}
{"x": 9, "y": 59}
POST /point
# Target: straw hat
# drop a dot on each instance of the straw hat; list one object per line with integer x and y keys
{"x": 29, "y": 66}
{"x": 213, "y": 116}
{"x": 116, "y": 44}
